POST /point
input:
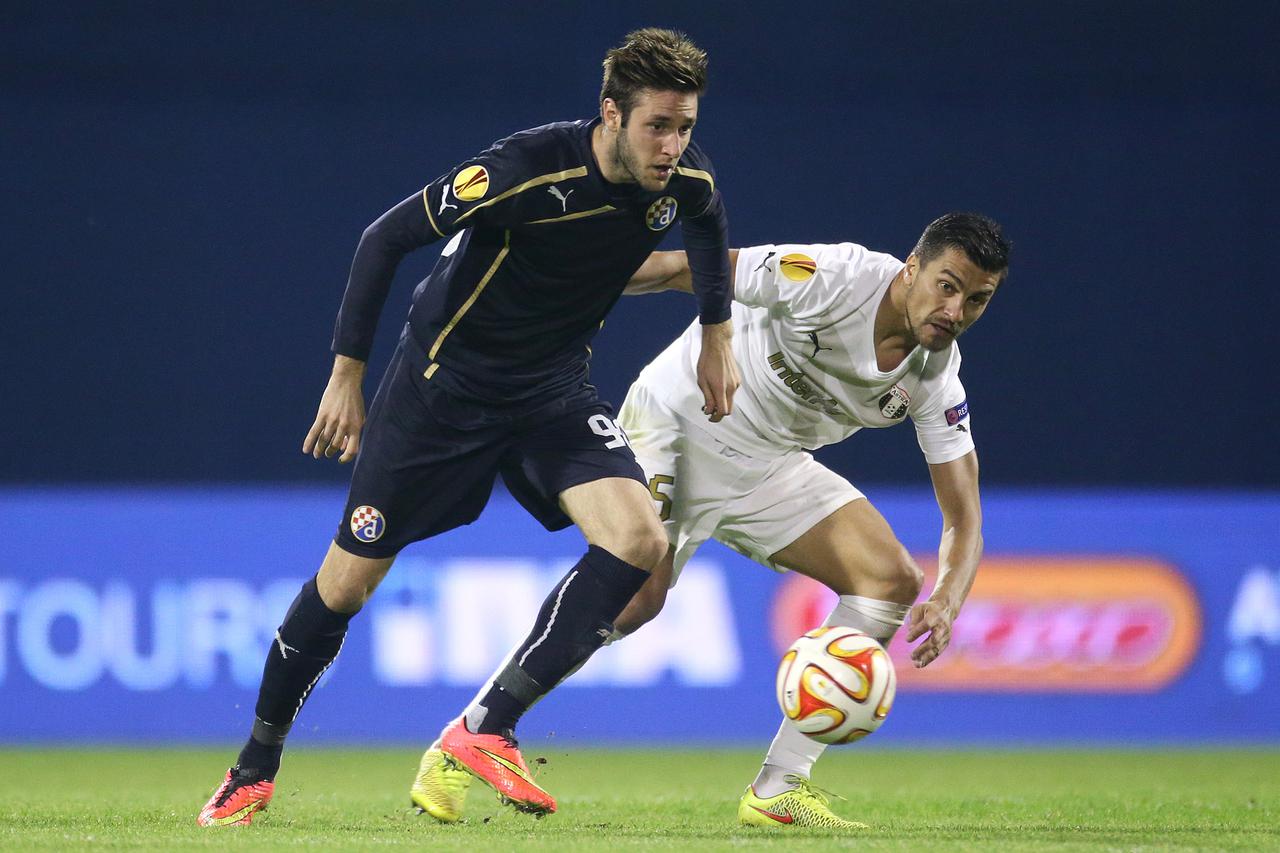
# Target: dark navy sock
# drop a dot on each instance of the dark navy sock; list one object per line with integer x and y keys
{"x": 261, "y": 757}
{"x": 306, "y": 643}
{"x": 574, "y": 621}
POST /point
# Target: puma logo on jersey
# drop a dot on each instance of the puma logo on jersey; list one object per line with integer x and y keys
{"x": 765, "y": 263}
{"x": 817, "y": 348}
{"x": 801, "y": 385}
{"x": 444, "y": 201}
{"x": 564, "y": 198}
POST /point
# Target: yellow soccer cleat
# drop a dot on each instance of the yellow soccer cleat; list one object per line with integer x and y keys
{"x": 803, "y": 806}
{"x": 440, "y": 788}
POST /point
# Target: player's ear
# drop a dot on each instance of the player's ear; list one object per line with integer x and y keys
{"x": 610, "y": 114}
{"x": 913, "y": 267}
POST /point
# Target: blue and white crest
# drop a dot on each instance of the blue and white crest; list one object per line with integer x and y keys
{"x": 367, "y": 524}
{"x": 661, "y": 213}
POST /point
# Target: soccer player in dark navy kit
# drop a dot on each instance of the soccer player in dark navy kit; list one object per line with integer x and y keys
{"x": 490, "y": 377}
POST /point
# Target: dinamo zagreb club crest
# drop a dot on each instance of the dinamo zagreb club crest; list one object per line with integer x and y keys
{"x": 661, "y": 213}
{"x": 367, "y": 524}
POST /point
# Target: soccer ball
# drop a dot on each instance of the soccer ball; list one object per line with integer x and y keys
{"x": 836, "y": 684}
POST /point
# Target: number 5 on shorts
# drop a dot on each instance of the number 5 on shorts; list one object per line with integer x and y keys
{"x": 656, "y": 482}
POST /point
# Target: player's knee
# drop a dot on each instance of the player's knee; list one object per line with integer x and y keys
{"x": 890, "y": 576}
{"x": 641, "y": 544}
{"x": 345, "y": 581}
{"x": 902, "y": 579}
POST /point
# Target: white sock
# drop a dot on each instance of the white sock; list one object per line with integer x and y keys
{"x": 793, "y": 753}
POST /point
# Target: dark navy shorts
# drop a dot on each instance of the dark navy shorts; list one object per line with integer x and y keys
{"x": 428, "y": 457}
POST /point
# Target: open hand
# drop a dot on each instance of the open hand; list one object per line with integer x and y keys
{"x": 932, "y": 619}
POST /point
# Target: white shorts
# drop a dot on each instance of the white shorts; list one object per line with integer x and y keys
{"x": 707, "y": 490}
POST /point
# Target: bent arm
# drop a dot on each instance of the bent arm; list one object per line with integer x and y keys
{"x": 383, "y": 244}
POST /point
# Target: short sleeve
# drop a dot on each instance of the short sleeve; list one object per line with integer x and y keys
{"x": 944, "y": 429}
{"x": 804, "y": 280}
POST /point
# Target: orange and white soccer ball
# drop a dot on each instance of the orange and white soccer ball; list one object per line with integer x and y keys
{"x": 836, "y": 684}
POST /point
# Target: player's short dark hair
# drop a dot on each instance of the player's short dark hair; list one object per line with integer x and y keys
{"x": 978, "y": 236}
{"x": 656, "y": 59}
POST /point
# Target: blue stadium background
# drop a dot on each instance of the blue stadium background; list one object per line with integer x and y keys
{"x": 184, "y": 186}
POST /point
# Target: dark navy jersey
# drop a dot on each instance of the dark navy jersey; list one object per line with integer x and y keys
{"x": 542, "y": 246}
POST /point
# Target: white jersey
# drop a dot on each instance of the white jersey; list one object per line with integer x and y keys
{"x": 803, "y": 334}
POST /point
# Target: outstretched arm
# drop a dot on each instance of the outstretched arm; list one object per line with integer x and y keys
{"x": 955, "y": 484}
{"x": 668, "y": 271}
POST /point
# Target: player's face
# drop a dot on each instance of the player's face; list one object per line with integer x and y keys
{"x": 656, "y": 133}
{"x": 945, "y": 297}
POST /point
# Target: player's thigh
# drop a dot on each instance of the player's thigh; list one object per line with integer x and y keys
{"x": 426, "y": 465}
{"x": 855, "y": 552}
{"x": 617, "y": 514}
{"x": 576, "y": 467}
{"x": 687, "y": 472}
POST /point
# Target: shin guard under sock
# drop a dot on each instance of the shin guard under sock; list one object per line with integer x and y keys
{"x": 306, "y": 643}
{"x": 574, "y": 621}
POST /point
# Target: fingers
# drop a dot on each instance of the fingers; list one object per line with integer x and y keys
{"x": 709, "y": 405}
{"x": 722, "y": 399}
{"x": 924, "y": 654}
{"x": 313, "y": 434}
{"x": 350, "y": 448}
{"x": 326, "y": 439}
{"x": 926, "y": 619}
{"x": 726, "y": 395}
{"x": 915, "y": 623}
{"x": 716, "y": 402}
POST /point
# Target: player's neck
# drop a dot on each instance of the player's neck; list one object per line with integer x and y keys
{"x": 610, "y": 169}
{"x": 892, "y": 333}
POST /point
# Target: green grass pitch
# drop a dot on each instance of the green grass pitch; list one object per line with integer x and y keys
{"x": 328, "y": 799}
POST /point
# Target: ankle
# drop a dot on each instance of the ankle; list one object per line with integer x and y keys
{"x": 264, "y": 758}
{"x": 773, "y": 780}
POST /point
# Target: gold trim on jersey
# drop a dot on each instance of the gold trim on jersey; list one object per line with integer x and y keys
{"x": 471, "y": 300}
{"x": 580, "y": 172}
{"x": 583, "y": 214}
{"x": 426, "y": 204}
{"x": 430, "y": 371}
{"x": 697, "y": 173}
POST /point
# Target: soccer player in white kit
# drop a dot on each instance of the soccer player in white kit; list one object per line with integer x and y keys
{"x": 830, "y": 339}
